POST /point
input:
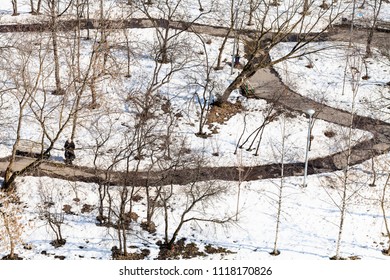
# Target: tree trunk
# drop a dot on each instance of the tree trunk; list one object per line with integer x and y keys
{"x": 346, "y": 170}
{"x": 306, "y": 7}
{"x": 8, "y": 178}
{"x": 255, "y": 63}
{"x": 35, "y": 11}
{"x": 236, "y": 84}
{"x": 377, "y": 8}
{"x": 39, "y": 6}
{"x": 383, "y": 207}
{"x": 15, "y": 8}
{"x": 275, "y": 251}
{"x": 128, "y": 53}
{"x": 9, "y": 234}
{"x": 251, "y": 11}
{"x": 58, "y": 90}
{"x": 219, "y": 61}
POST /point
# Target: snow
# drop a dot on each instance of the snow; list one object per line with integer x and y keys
{"x": 308, "y": 229}
{"x": 215, "y": 12}
{"x": 310, "y": 216}
{"x": 325, "y": 81}
{"x": 120, "y": 117}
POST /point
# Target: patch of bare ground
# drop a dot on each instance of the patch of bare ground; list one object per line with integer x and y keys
{"x": 183, "y": 250}
{"x": 58, "y": 243}
{"x": 221, "y": 114}
{"x": 352, "y": 258}
{"x": 118, "y": 255}
{"x": 386, "y": 252}
{"x": 217, "y": 250}
{"x": 179, "y": 250}
{"x": 13, "y": 258}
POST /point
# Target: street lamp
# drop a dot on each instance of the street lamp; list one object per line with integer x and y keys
{"x": 310, "y": 113}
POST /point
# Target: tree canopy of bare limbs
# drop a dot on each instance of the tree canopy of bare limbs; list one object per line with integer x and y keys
{"x": 274, "y": 25}
{"x": 27, "y": 91}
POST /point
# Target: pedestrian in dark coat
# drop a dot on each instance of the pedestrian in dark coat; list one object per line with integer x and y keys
{"x": 69, "y": 151}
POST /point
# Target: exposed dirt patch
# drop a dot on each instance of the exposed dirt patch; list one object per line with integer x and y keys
{"x": 58, "y": 243}
{"x": 136, "y": 198}
{"x": 117, "y": 254}
{"x": 221, "y": 114}
{"x": 184, "y": 250}
{"x": 67, "y": 209}
{"x": 14, "y": 258}
{"x": 353, "y": 258}
{"x": 219, "y": 250}
{"x": 329, "y": 133}
{"x": 87, "y": 208}
{"x": 386, "y": 252}
{"x": 179, "y": 250}
{"x": 149, "y": 227}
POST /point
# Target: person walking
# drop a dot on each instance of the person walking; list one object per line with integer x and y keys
{"x": 69, "y": 151}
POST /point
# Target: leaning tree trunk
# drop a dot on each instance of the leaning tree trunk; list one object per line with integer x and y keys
{"x": 254, "y": 64}
{"x": 236, "y": 84}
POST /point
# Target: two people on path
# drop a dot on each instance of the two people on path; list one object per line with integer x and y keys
{"x": 69, "y": 151}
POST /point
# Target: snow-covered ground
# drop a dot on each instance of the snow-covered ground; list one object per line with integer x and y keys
{"x": 309, "y": 223}
{"x": 310, "y": 216}
{"x": 114, "y": 117}
{"x": 320, "y": 76}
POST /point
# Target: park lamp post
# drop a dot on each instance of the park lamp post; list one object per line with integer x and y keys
{"x": 310, "y": 113}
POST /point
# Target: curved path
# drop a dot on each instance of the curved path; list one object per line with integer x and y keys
{"x": 265, "y": 83}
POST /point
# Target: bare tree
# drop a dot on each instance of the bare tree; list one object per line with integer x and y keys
{"x": 25, "y": 86}
{"x": 49, "y": 113}
{"x": 196, "y": 200}
{"x": 275, "y": 250}
{"x": 166, "y": 34}
{"x": 143, "y": 141}
{"x": 354, "y": 65}
{"x": 124, "y": 216}
{"x": 51, "y": 211}
{"x": 233, "y": 26}
{"x": 376, "y": 10}
{"x": 384, "y": 206}
{"x": 253, "y": 6}
{"x": 204, "y": 87}
{"x": 55, "y": 220}
{"x": 273, "y": 29}
{"x": 11, "y": 224}
{"x": 270, "y": 113}
{"x": 243, "y": 173}
{"x": 55, "y": 14}
{"x": 195, "y": 195}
